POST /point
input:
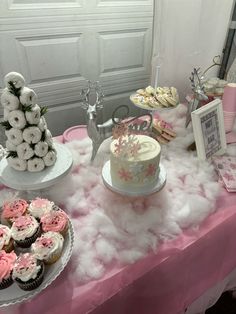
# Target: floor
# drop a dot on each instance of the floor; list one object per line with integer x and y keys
{"x": 225, "y": 305}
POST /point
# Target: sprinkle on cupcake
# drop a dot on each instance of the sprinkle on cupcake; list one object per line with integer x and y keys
{"x": 56, "y": 221}
{"x": 14, "y": 209}
{"x": 28, "y": 272}
{"x": 25, "y": 230}
{"x": 48, "y": 247}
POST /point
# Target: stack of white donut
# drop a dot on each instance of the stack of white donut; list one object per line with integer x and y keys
{"x": 156, "y": 98}
{"x": 29, "y": 142}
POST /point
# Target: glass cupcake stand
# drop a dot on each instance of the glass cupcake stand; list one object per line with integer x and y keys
{"x": 36, "y": 182}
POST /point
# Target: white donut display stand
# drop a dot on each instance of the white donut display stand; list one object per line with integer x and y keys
{"x": 29, "y": 181}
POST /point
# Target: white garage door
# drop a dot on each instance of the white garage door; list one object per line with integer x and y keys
{"x": 58, "y": 44}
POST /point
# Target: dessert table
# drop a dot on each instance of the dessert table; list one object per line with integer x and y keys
{"x": 169, "y": 282}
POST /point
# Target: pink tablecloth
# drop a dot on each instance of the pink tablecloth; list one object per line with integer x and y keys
{"x": 163, "y": 283}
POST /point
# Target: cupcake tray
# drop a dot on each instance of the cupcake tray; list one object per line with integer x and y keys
{"x": 14, "y": 294}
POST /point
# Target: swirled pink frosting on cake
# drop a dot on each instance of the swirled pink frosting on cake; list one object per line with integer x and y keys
{"x": 7, "y": 261}
{"x": 14, "y": 209}
{"x": 40, "y": 206}
{"x": 5, "y": 235}
{"x": 55, "y": 221}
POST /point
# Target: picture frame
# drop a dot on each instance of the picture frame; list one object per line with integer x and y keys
{"x": 209, "y": 130}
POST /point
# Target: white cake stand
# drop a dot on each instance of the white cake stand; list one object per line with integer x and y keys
{"x": 160, "y": 183}
{"x": 29, "y": 181}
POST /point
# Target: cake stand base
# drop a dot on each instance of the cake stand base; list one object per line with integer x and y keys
{"x": 29, "y": 181}
{"x": 160, "y": 183}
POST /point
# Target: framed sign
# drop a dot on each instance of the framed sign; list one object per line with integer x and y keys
{"x": 208, "y": 129}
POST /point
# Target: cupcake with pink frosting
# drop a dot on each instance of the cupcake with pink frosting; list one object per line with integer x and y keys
{"x": 14, "y": 209}
{"x": 28, "y": 272}
{"x": 6, "y": 241}
{"x": 7, "y": 261}
{"x": 39, "y": 207}
{"x": 25, "y": 230}
{"x": 56, "y": 221}
{"x": 48, "y": 247}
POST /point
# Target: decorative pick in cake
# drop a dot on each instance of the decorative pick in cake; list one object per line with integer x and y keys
{"x": 127, "y": 144}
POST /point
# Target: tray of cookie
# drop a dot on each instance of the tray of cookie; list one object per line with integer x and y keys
{"x": 155, "y": 98}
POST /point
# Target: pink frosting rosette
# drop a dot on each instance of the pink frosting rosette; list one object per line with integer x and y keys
{"x": 56, "y": 221}
{"x": 7, "y": 261}
{"x": 14, "y": 209}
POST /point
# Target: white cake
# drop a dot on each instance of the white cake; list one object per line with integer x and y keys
{"x": 135, "y": 171}
{"x": 29, "y": 142}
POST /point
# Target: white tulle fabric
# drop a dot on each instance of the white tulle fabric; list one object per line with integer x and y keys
{"x": 112, "y": 228}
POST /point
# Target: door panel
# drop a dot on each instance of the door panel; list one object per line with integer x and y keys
{"x": 58, "y": 45}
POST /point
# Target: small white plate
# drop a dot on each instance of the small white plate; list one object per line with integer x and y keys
{"x": 106, "y": 175}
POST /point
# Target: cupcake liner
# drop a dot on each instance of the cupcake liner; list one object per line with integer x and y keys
{"x": 6, "y": 283}
{"x": 32, "y": 283}
{"x": 9, "y": 247}
{"x": 52, "y": 258}
{"x": 28, "y": 241}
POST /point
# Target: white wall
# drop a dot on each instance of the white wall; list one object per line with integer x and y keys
{"x": 187, "y": 34}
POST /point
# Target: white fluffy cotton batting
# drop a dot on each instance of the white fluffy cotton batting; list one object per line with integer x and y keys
{"x": 110, "y": 227}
